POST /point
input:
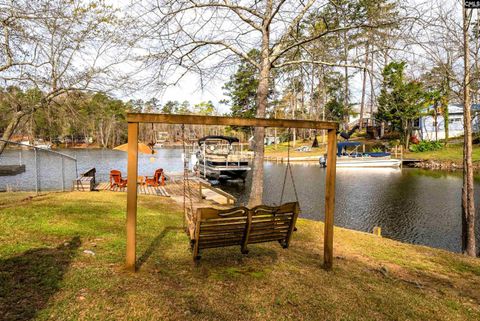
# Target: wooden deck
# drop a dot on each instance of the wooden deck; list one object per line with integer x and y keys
{"x": 142, "y": 189}
{"x": 198, "y": 191}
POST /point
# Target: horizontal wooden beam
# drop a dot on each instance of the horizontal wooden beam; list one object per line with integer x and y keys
{"x": 228, "y": 121}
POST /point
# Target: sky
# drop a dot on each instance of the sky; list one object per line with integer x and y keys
{"x": 189, "y": 89}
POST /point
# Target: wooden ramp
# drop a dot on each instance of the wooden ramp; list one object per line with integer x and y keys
{"x": 199, "y": 191}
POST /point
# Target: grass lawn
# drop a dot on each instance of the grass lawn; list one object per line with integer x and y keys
{"x": 453, "y": 152}
{"x": 45, "y": 273}
{"x": 281, "y": 150}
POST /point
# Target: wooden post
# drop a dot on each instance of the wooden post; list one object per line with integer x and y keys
{"x": 330, "y": 199}
{"x": 377, "y": 230}
{"x": 132, "y": 173}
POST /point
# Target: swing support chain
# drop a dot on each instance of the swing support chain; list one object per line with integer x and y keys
{"x": 288, "y": 170}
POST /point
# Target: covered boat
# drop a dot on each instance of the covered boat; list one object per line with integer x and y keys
{"x": 348, "y": 155}
{"x": 221, "y": 157}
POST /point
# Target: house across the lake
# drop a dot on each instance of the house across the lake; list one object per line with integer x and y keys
{"x": 429, "y": 129}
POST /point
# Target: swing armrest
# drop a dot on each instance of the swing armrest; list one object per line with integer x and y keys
{"x": 191, "y": 221}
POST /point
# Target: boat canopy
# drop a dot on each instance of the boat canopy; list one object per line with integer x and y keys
{"x": 343, "y": 145}
{"x": 229, "y": 139}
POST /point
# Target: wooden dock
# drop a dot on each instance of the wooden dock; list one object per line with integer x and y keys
{"x": 142, "y": 189}
{"x": 200, "y": 191}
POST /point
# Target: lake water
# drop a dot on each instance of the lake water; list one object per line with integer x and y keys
{"x": 410, "y": 205}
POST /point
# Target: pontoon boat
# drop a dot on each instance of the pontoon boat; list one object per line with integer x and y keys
{"x": 354, "y": 158}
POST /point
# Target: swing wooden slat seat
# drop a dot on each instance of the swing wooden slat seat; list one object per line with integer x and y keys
{"x": 210, "y": 227}
{"x": 273, "y": 223}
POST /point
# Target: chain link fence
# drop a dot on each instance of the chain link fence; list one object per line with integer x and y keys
{"x": 25, "y": 167}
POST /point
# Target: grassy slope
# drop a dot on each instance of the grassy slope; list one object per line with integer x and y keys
{"x": 45, "y": 273}
{"x": 281, "y": 150}
{"x": 452, "y": 153}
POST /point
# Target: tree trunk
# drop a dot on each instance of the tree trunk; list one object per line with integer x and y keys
{"x": 294, "y": 110}
{"x": 476, "y": 92}
{"x": 372, "y": 86}
{"x": 10, "y": 130}
{"x": 256, "y": 192}
{"x": 364, "y": 86}
{"x": 346, "y": 102}
{"x": 100, "y": 133}
{"x": 445, "y": 121}
{"x": 405, "y": 134}
{"x": 468, "y": 205}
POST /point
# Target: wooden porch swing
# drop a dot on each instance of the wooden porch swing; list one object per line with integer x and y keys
{"x": 239, "y": 225}
{"x": 210, "y": 227}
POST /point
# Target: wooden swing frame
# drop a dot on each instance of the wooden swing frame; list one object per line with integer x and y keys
{"x": 134, "y": 119}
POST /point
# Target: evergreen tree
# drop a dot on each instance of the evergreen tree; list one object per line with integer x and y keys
{"x": 400, "y": 101}
{"x": 242, "y": 88}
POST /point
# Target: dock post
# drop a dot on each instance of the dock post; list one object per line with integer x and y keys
{"x": 330, "y": 199}
{"x": 377, "y": 230}
{"x": 132, "y": 173}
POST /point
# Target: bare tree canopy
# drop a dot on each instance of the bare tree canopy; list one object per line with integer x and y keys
{"x": 57, "y": 47}
{"x": 207, "y": 37}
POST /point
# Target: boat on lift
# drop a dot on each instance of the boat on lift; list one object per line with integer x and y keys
{"x": 348, "y": 155}
{"x": 221, "y": 157}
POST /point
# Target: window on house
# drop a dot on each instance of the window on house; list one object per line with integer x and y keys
{"x": 454, "y": 120}
{"x": 416, "y": 123}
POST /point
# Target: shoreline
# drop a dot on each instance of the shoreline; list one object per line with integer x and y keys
{"x": 445, "y": 165}
{"x": 279, "y": 157}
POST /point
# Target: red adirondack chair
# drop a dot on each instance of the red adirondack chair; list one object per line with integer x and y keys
{"x": 116, "y": 179}
{"x": 157, "y": 179}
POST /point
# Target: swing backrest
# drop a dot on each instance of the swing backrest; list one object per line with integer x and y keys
{"x": 219, "y": 228}
{"x": 240, "y": 226}
{"x": 272, "y": 223}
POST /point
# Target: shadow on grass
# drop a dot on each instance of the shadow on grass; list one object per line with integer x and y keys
{"x": 28, "y": 280}
{"x": 155, "y": 244}
{"x": 218, "y": 258}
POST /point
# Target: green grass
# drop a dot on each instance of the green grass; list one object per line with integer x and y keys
{"x": 45, "y": 274}
{"x": 281, "y": 150}
{"x": 453, "y": 153}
